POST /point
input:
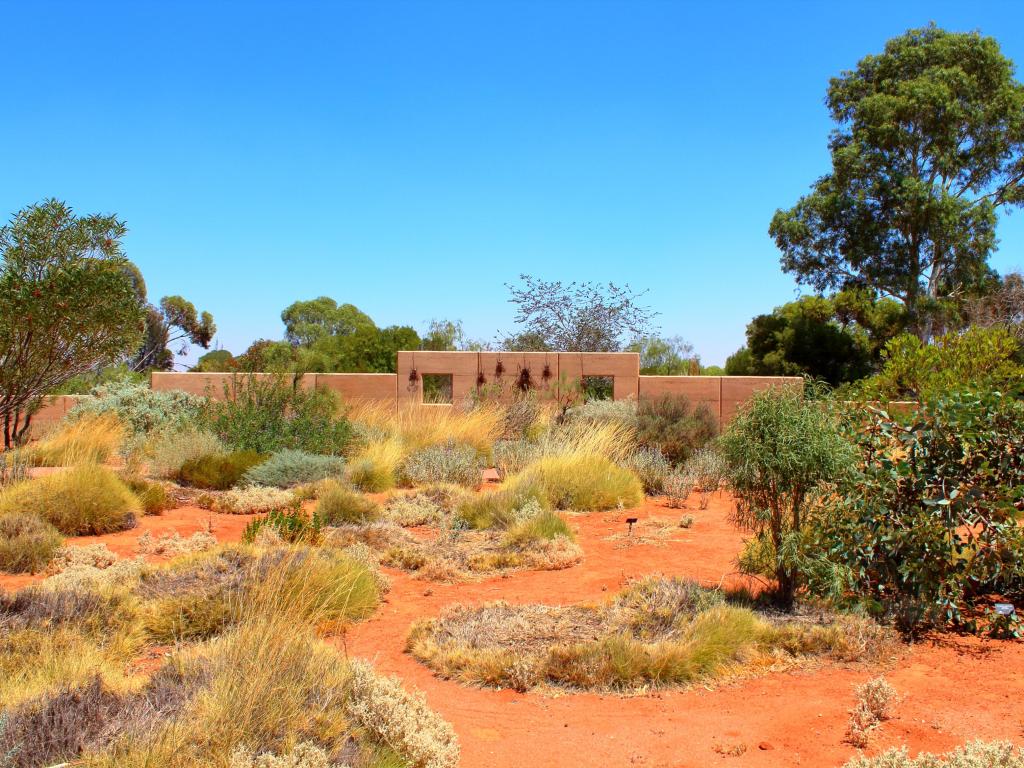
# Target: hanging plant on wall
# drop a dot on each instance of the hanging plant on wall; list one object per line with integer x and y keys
{"x": 524, "y": 383}
{"x": 499, "y": 369}
{"x": 414, "y": 375}
{"x": 480, "y": 379}
{"x": 546, "y": 374}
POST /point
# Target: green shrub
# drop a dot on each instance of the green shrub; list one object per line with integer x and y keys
{"x": 169, "y": 449}
{"x": 651, "y": 466}
{"x": 931, "y": 518}
{"x": 500, "y": 508}
{"x": 153, "y": 496}
{"x": 673, "y": 426}
{"x": 291, "y": 525}
{"x": 339, "y": 505}
{"x": 449, "y": 462}
{"x": 583, "y": 482}
{"x": 779, "y": 449}
{"x": 218, "y": 471}
{"x": 27, "y": 542}
{"x": 78, "y": 501}
{"x": 540, "y": 526}
{"x": 140, "y": 409}
{"x": 268, "y": 414}
{"x": 290, "y": 467}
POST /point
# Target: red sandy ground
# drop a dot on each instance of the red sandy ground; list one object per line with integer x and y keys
{"x": 954, "y": 689}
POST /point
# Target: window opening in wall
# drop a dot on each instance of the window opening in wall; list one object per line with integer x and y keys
{"x": 437, "y": 388}
{"x": 598, "y": 387}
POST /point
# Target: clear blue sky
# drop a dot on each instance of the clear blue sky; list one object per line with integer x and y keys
{"x": 410, "y": 158}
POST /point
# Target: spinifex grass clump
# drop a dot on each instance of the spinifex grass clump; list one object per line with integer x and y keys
{"x": 658, "y": 632}
{"x": 339, "y": 505}
{"x": 218, "y": 471}
{"x": 93, "y": 438}
{"x": 81, "y": 500}
{"x": 583, "y": 482}
{"x": 27, "y": 542}
{"x": 416, "y": 427}
{"x": 449, "y": 462}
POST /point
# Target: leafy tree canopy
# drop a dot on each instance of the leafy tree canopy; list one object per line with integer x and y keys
{"x": 306, "y": 322}
{"x": 928, "y": 145}
{"x": 666, "y": 356}
{"x": 68, "y": 304}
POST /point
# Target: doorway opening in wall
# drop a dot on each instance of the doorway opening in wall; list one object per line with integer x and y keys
{"x": 598, "y": 387}
{"x": 437, "y": 388}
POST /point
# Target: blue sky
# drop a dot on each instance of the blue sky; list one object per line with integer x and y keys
{"x": 411, "y": 158}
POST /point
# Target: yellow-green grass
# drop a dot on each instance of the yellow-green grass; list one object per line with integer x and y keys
{"x": 416, "y": 426}
{"x": 80, "y": 500}
{"x": 93, "y": 438}
{"x": 582, "y": 481}
{"x": 375, "y": 467}
{"x": 27, "y": 542}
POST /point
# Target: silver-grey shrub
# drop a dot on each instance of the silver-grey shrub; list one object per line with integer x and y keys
{"x": 974, "y": 754}
{"x": 600, "y": 411}
{"x": 651, "y": 466}
{"x": 512, "y": 456}
{"x": 290, "y": 467}
{"x": 141, "y": 409}
{"x": 449, "y": 462}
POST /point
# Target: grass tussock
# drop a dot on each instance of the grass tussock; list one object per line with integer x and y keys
{"x": 218, "y": 471}
{"x": 81, "y": 500}
{"x": 27, "y": 543}
{"x": 583, "y": 481}
{"x": 656, "y": 633}
{"x": 376, "y": 466}
{"x": 339, "y": 505}
{"x": 91, "y": 439}
{"x": 416, "y": 427}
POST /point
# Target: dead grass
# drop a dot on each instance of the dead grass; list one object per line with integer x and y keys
{"x": 91, "y": 439}
{"x": 416, "y": 427}
{"x": 656, "y": 633}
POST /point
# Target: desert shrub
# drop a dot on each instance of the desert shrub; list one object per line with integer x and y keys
{"x": 596, "y": 411}
{"x": 272, "y": 413}
{"x": 290, "y": 467}
{"x": 780, "y": 449}
{"x": 375, "y": 467}
{"x": 254, "y": 499}
{"x": 288, "y": 525}
{"x": 27, "y": 542}
{"x": 170, "y": 449}
{"x": 400, "y": 719}
{"x": 153, "y": 496}
{"x": 537, "y": 525}
{"x": 583, "y": 482}
{"x": 14, "y": 465}
{"x": 929, "y": 521}
{"x": 82, "y": 500}
{"x": 90, "y": 439}
{"x": 142, "y": 410}
{"x": 672, "y": 425}
{"x": 304, "y": 755}
{"x": 707, "y": 470}
{"x": 97, "y": 555}
{"x": 413, "y": 509}
{"x": 974, "y": 754}
{"x": 500, "y": 508}
{"x": 525, "y": 417}
{"x": 339, "y": 505}
{"x": 512, "y": 456}
{"x": 875, "y": 700}
{"x": 677, "y": 488}
{"x": 448, "y": 462}
{"x": 218, "y": 471}
{"x": 175, "y": 544}
{"x": 651, "y": 467}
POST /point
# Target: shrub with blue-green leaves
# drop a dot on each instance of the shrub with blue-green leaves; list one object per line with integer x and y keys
{"x": 651, "y": 466}
{"x": 449, "y": 462}
{"x": 140, "y": 409}
{"x": 272, "y": 413}
{"x": 290, "y": 467}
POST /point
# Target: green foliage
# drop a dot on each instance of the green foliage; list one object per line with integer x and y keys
{"x": 931, "y": 518}
{"x": 449, "y": 462}
{"x": 673, "y": 426}
{"x": 306, "y": 322}
{"x": 140, "y": 409}
{"x": 27, "y": 542}
{"x": 268, "y": 414}
{"x": 543, "y": 525}
{"x": 779, "y": 449}
{"x": 291, "y": 525}
{"x": 289, "y": 467}
{"x": 216, "y": 361}
{"x": 339, "y": 505}
{"x": 67, "y": 305}
{"x": 928, "y": 144}
{"x": 500, "y": 508}
{"x": 175, "y": 320}
{"x": 153, "y": 496}
{"x": 218, "y": 471}
{"x": 985, "y": 358}
{"x": 666, "y": 357}
{"x": 86, "y": 383}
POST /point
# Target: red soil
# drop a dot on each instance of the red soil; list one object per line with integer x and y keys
{"x": 954, "y": 689}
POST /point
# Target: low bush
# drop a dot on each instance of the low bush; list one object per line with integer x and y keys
{"x": 339, "y": 505}
{"x": 304, "y": 755}
{"x": 218, "y": 471}
{"x": 677, "y": 488}
{"x": 290, "y": 467}
{"x": 153, "y": 496}
{"x": 513, "y": 456}
{"x": 269, "y": 414}
{"x": 672, "y": 425}
{"x": 413, "y": 509}
{"x": 27, "y": 542}
{"x": 707, "y": 471}
{"x": 169, "y": 449}
{"x": 449, "y": 462}
{"x": 290, "y": 526}
{"x": 254, "y": 500}
{"x": 375, "y": 468}
{"x": 651, "y": 467}
{"x": 82, "y": 500}
{"x": 501, "y": 508}
{"x": 583, "y": 482}
{"x": 91, "y": 439}
{"x": 174, "y": 544}
{"x": 974, "y": 754}
{"x": 141, "y": 409}
{"x": 875, "y": 700}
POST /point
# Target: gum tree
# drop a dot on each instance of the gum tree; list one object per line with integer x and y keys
{"x": 67, "y": 305}
{"x": 928, "y": 146}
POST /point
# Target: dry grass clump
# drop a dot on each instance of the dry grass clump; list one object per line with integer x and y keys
{"x": 169, "y": 449}
{"x": 417, "y": 427}
{"x": 974, "y": 754}
{"x": 154, "y": 497}
{"x": 656, "y": 633}
{"x": 254, "y": 499}
{"x": 401, "y": 720}
{"x": 27, "y": 542}
{"x": 414, "y": 509}
{"x": 91, "y": 439}
{"x": 339, "y": 505}
{"x": 513, "y": 456}
{"x": 375, "y": 468}
{"x": 583, "y": 482}
{"x": 175, "y": 544}
{"x": 97, "y": 555}
{"x": 875, "y": 702}
{"x": 448, "y": 462}
{"x": 81, "y": 500}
